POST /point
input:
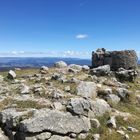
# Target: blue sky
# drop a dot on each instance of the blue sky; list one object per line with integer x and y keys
{"x": 69, "y": 28}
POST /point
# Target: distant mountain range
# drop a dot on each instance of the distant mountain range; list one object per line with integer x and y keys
{"x": 34, "y": 62}
{"x": 31, "y": 62}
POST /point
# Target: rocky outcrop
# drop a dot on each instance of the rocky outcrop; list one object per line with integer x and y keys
{"x": 55, "y": 122}
{"x": 126, "y": 59}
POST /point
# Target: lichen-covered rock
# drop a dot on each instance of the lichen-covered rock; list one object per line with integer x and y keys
{"x": 55, "y": 121}
{"x": 79, "y": 106}
{"x": 87, "y": 89}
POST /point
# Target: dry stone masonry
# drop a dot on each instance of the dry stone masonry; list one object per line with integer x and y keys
{"x": 126, "y": 59}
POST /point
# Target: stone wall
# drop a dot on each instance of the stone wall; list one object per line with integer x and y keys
{"x": 126, "y": 59}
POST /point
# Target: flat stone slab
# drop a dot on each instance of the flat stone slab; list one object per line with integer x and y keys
{"x": 56, "y": 122}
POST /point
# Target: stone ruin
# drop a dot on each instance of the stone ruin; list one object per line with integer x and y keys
{"x": 126, "y": 59}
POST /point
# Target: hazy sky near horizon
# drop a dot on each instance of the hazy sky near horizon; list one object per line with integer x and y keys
{"x": 70, "y": 28}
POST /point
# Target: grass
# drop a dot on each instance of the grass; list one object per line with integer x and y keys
{"x": 29, "y": 104}
{"x": 20, "y": 104}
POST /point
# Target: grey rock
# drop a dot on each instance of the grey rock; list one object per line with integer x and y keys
{"x": 113, "y": 98}
{"x": 72, "y": 135}
{"x": 73, "y": 70}
{"x": 82, "y": 136}
{"x": 58, "y": 106}
{"x": 1, "y": 78}
{"x": 85, "y": 68}
{"x": 100, "y": 107}
{"x": 138, "y": 98}
{"x": 81, "y": 106}
{"x": 123, "y": 93}
{"x": 25, "y": 89}
{"x": 56, "y": 76}
{"x": 11, "y": 74}
{"x": 101, "y": 70}
{"x": 126, "y": 75}
{"x": 43, "y": 136}
{"x": 11, "y": 117}
{"x": 56, "y": 137}
{"x": 78, "y": 106}
{"x": 67, "y": 89}
{"x": 60, "y": 64}
{"x": 55, "y": 121}
{"x": 112, "y": 122}
{"x": 132, "y": 129}
{"x": 57, "y": 94}
{"x": 76, "y": 67}
{"x": 2, "y": 135}
{"x": 44, "y": 69}
{"x": 87, "y": 89}
{"x": 95, "y": 123}
{"x": 96, "y": 136}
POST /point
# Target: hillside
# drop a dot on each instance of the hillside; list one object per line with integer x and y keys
{"x": 69, "y": 102}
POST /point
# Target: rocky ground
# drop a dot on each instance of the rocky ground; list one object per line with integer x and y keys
{"x": 69, "y": 103}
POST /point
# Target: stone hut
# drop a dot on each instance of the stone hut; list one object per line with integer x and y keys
{"x": 126, "y": 59}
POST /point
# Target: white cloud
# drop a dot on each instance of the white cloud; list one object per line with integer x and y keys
{"x": 68, "y": 53}
{"x": 81, "y": 36}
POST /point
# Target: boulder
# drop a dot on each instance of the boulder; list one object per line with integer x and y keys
{"x": 112, "y": 122}
{"x": 126, "y": 75}
{"x": 101, "y": 70}
{"x": 11, "y": 117}
{"x": 112, "y": 98}
{"x": 11, "y": 74}
{"x": 100, "y": 107}
{"x": 96, "y": 136}
{"x": 60, "y": 64}
{"x": 79, "y": 106}
{"x": 40, "y": 136}
{"x": 87, "y": 89}
{"x": 54, "y": 121}
{"x": 123, "y": 93}
{"x": 88, "y": 107}
{"x": 44, "y": 69}
{"x": 25, "y": 89}
{"x": 75, "y": 67}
